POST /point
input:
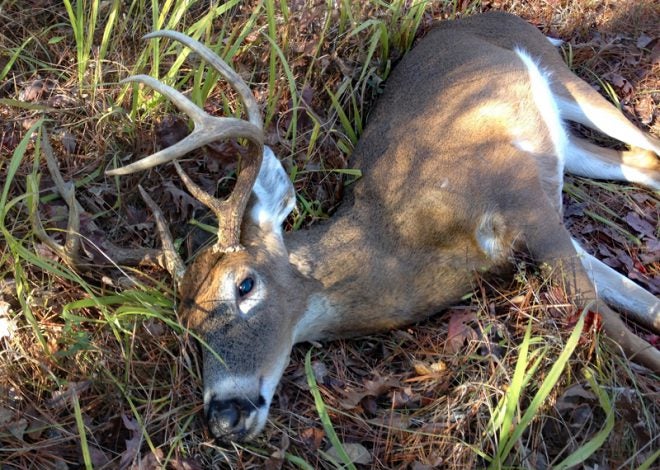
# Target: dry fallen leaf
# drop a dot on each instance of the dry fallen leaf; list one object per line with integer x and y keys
{"x": 99, "y": 458}
{"x": 17, "y": 428}
{"x": 179, "y": 463}
{"x": 34, "y": 91}
{"x": 182, "y": 200}
{"x": 132, "y": 444}
{"x": 644, "y": 40}
{"x": 372, "y": 388}
{"x": 151, "y": 461}
{"x": 5, "y": 415}
{"x": 357, "y": 453}
{"x": 62, "y": 397}
{"x": 460, "y": 332}
{"x": 573, "y": 396}
{"x": 393, "y": 420}
{"x": 69, "y": 142}
{"x": 171, "y": 130}
{"x": 312, "y": 438}
{"x": 644, "y": 227}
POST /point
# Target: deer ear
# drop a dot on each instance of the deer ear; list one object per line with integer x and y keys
{"x": 273, "y": 196}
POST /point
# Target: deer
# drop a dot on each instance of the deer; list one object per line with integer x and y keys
{"x": 463, "y": 162}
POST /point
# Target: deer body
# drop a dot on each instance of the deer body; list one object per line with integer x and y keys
{"x": 463, "y": 161}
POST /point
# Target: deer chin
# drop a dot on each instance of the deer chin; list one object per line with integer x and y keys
{"x": 236, "y": 408}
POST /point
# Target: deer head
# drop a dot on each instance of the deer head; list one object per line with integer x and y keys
{"x": 235, "y": 294}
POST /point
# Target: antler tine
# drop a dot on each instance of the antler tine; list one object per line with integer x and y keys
{"x": 209, "y": 129}
{"x": 70, "y": 251}
{"x": 251, "y": 106}
{"x": 173, "y": 262}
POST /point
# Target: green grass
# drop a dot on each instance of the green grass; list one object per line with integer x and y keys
{"x": 506, "y": 421}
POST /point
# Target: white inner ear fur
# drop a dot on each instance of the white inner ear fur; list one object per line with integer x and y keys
{"x": 273, "y": 196}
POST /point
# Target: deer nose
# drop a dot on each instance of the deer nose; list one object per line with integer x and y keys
{"x": 232, "y": 420}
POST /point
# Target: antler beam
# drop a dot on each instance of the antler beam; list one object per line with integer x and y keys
{"x": 209, "y": 129}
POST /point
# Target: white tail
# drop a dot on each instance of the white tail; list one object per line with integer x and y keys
{"x": 463, "y": 162}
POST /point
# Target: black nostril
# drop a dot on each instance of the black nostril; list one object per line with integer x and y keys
{"x": 262, "y": 401}
{"x": 227, "y": 418}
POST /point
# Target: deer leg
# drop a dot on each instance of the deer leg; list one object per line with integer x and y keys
{"x": 549, "y": 243}
{"x": 634, "y": 166}
{"x": 620, "y": 292}
{"x": 580, "y": 103}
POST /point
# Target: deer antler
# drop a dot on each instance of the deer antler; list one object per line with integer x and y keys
{"x": 70, "y": 251}
{"x": 210, "y": 129}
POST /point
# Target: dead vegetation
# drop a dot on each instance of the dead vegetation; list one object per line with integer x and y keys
{"x": 95, "y": 370}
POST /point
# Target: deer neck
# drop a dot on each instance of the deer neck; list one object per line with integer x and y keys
{"x": 364, "y": 283}
{"x": 334, "y": 255}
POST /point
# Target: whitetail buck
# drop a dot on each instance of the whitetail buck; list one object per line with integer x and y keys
{"x": 463, "y": 161}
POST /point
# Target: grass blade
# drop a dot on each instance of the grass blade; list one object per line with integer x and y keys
{"x": 323, "y": 413}
{"x": 546, "y": 387}
{"x": 80, "y": 423}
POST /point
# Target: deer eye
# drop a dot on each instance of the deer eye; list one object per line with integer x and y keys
{"x": 245, "y": 286}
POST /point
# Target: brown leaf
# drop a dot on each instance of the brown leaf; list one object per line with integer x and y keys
{"x": 432, "y": 369}
{"x": 357, "y": 453}
{"x": 224, "y": 154}
{"x": 655, "y": 54}
{"x": 434, "y": 428}
{"x": 421, "y": 466}
{"x": 183, "y": 201}
{"x": 642, "y": 226}
{"x": 274, "y": 462}
{"x": 99, "y": 458}
{"x": 573, "y": 396}
{"x": 132, "y": 444}
{"x": 620, "y": 82}
{"x": 178, "y": 463}
{"x": 61, "y": 398}
{"x": 393, "y": 420}
{"x": 171, "y": 130}
{"x": 34, "y": 91}
{"x": 69, "y": 142}
{"x": 61, "y": 100}
{"x": 644, "y": 40}
{"x": 17, "y": 428}
{"x": 645, "y": 109}
{"x": 373, "y": 388}
{"x": 401, "y": 398}
{"x": 459, "y": 332}
{"x": 151, "y": 461}
{"x": 5, "y": 415}
{"x": 320, "y": 372}
{"x": 312, "y": 438}
{"x": 154, "y": 328}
